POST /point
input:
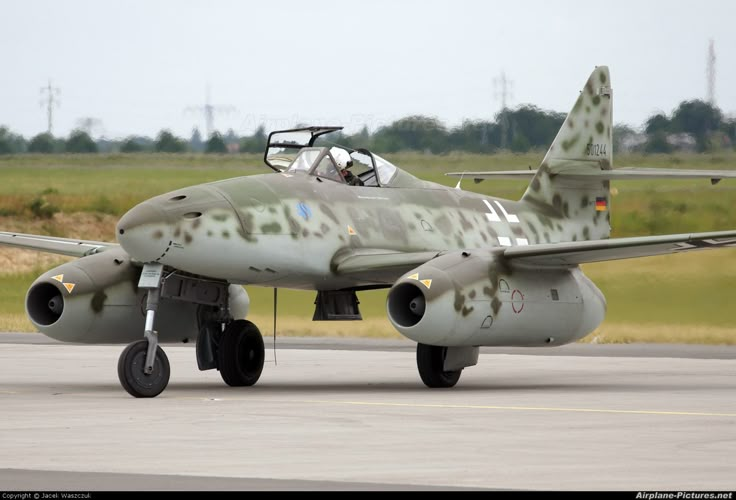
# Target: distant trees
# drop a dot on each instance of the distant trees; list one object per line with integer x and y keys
{"x": 693, "y": 126}
{"x": 80, "y": 142}
{"x": 476, "y": 136}
{"x": 417, "y": 133}
{"x": 700, "y": 120}
{"x": 255, "y": 143}
{"x": 530, "y": 127}
{"x": 166, "y": 142}
{"x": 519, "y": 130}
{"x": 11, "y": 143}
{"x": 215, "y": 144}
{"x": 196, "y": 144}
{"x": 42, "y": 143}
{"x": 134, "y": 144}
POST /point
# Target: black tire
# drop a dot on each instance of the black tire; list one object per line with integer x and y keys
{"x": 431, "y": 361}
{"x": 131, "y": 371}
{"x": 241, "y": 354}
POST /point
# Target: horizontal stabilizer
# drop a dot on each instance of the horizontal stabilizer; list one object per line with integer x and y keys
{"x": 50, "y": 244}
{"x": 581, "y": 252}
{"x": 628, "y": 173}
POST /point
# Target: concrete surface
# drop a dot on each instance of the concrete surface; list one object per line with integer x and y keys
{"x": 360, "y": 419}
{"x": 693, "y": 351}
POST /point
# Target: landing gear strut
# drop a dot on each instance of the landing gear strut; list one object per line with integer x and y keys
{"x": 431, "y": 364}
{"x": 143, "y": 368}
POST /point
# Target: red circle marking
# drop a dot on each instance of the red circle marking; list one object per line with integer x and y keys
{"x": 517, "y": 301}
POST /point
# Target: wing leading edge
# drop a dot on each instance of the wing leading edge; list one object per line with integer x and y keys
{"x": 581, "y": 252}
{"x": 372, "y": 260}
{"x": 546, "y": 255}
{"x": 50, "y": 244}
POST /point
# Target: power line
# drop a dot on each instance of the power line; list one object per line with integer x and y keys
{"x": 503, "y": 89}
{"x": 209, "y": 111}
{"x": 49, "y": 99}
{"x": 710, "y": 73}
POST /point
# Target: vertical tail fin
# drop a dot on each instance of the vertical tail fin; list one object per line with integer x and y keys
{"x": 583, "y": 143}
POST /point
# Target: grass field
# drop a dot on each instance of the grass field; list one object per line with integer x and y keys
{"x": 679, "y": 298}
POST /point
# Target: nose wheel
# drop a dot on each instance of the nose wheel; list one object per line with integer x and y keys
{"x": 132, "y": 371}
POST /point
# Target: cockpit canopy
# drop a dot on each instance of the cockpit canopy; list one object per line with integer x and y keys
{"x": 293, "y": 151}
{"x": 370, "y": 169}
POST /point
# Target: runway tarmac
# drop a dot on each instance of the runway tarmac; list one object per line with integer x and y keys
{"x": 354, "y": 415}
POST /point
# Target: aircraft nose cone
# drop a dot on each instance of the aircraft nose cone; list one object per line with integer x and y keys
{"x": 143, "y": 232}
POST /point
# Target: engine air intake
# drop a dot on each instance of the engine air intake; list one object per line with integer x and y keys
{"x": 406, "y": 304}
{"x": 45, "y": 304}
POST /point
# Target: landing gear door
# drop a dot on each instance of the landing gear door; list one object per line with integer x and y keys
{"x": 284, "y": 145}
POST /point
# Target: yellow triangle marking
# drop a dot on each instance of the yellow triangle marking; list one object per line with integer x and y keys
{"x": 351, "y": 231}
{"x": 69, "y": 286}
{"x": 58, "y": 277}
{"x": 413, "y": 277}
{"x": 427, "y": 283}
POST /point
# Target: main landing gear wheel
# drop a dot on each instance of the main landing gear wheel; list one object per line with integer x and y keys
{"x": 431, "y": 361}
{"x": 241, "y": 354}
{"x": 131, "y": 371}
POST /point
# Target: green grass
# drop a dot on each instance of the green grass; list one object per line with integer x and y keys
{"x": 114, "y": 183}
{"x": 686, "y": 293}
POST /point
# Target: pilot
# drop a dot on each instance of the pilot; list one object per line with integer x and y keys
{"x": 344, "y": 162}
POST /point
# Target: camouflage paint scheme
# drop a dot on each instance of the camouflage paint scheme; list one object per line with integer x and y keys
{"x": 290, "y": 230}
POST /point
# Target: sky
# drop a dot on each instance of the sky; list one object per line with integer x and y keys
{"x": 142, "y": 66}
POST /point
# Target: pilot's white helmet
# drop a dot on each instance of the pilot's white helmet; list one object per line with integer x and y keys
{"x": 342, "y": 157}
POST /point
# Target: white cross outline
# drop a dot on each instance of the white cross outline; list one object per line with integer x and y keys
{"x": 493, "y": 216}
{"x": 513, "y": 219}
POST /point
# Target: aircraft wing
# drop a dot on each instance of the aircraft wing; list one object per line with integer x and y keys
{"x": 370, "y": 260}
{"x": 580, "y": 252}
{"x": 497, "y": 174}
{"x": 50, "y": 244}
{"x": 627, "y": 173}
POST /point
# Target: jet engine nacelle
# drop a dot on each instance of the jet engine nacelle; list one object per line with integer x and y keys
{"x": 475, "y": 298}
{"x": 96, "y": 299}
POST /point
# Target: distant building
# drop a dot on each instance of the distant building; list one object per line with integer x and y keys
{"x": 633, "y": 142}
{"x": 232, "y": 142}
{"x": 682, "y": 142}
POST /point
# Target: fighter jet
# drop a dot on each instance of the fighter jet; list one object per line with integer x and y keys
{"x": 464, "y": 269}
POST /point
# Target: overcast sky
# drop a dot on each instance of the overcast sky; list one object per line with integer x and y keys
{"x": 137, "y": 65}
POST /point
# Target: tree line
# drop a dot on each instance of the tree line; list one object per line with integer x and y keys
{"x": 695, "y": 125}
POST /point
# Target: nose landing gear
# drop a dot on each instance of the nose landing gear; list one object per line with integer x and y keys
{"x": 143, "y": 368}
